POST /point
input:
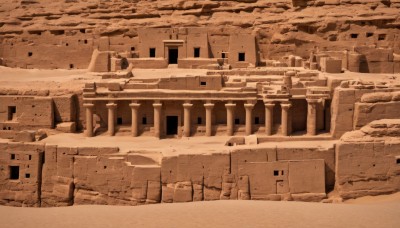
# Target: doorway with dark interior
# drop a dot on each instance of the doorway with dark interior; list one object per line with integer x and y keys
{"x": 172, "y": 125}
{"x": 173, "y": 55}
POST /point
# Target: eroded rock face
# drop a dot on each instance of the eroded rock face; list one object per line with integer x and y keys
{"x": 34, "y": 34}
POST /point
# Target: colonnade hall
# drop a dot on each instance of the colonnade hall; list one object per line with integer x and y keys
{"x": 276, "y": 105}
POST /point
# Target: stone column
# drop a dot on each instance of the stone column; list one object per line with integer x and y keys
{"x": 157, "y": 119}
{"x": 286, "y": 122}
{"x": 111, "y": 118}
{"x": 89, "y": 119}
{"x": 230, "y": 108}
{"x": 186, "y": 119}
{"x": 135, "y": 110}
{"x": 312, "y": 117}
{"x": 269, "y": 117}
{"x": 209, "y": 107}
{"x": 249, "y": 123}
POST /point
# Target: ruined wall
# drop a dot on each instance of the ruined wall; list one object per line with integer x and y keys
{"x": 368, "y": 160}
{"x": 39, "y": 33}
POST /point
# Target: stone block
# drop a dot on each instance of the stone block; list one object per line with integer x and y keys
{"x": 66, "y": 127}
{"x": 25, "y": 136}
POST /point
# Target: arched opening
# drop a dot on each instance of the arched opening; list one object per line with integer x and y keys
{"x": 124, "y": 63}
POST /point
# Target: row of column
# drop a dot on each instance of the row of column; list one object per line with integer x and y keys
{"x": 230, "y": 109}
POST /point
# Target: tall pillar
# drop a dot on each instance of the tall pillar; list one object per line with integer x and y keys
{"x": 89, "y": 119}
{"x": 230, "y": 107}
{"x": 209, "y": 107}
{"x": 135, "y": 125}
{"x": 157, "y": 119}
{"x": 312, "y": 117}
{"x": 249, "y": 123}
{"x": 111, "y": 118}
{"x": 269, "y": 115}
{"x": 186, "y": 119}
{"x": 286, "y": 122}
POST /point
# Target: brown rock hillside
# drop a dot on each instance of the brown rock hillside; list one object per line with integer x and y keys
{"x": 51, "y": 28}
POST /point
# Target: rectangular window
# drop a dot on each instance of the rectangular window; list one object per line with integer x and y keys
{"x": 14, "y": 172}
{"x": 369, "y": 34}
{"x": 30, "y": 157}
{"x": 27, "y": 175}
{"x": 242, "y": 57}
{"x": 276, "y": 172}
{"x": 196, "y": 53}
{"x": 354, "y": 35}
{"x": 144, "y": 120}
{"x": 152, "y": 53}
{"x": 199, "y": 120}
{"x": 398, "y": 161}
{"x": 203, "y": 83}
{"x": 12, "y": 156}
{"x": 223, "y": 55}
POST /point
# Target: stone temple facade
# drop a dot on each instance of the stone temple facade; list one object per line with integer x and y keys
{"x": 275, "y": 106}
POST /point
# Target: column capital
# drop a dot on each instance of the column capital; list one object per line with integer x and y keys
{"x": 111, "y": 105}
{"x": 134, "y": 105}
{"x": 209, "y": 105}
{"x": 312, "y": 101}
{"x": 230, "y": 105}
{"x": 88, "y": 105}
{"x": 286, "y": 105}
{"x": 187, "y": 105}
{"x": 269, "y": 104}
{"x": 157, "y": 105}
{"x": 249, "y": 106}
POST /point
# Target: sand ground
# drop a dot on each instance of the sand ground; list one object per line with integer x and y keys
{"x": 380, "y": 211}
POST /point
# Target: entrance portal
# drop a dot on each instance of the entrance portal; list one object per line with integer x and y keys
{"x": 173, "y": 56}
{"x": 172, "y": 125}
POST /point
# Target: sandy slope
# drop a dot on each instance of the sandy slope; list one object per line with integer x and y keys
{"x": 382, "y": 211}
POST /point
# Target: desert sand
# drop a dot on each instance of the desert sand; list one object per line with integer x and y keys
{"x": 378, "y": 211}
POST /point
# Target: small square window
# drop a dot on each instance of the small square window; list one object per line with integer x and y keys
{"x": 257, "y": 120}
{"x": 27, "y": 175}
{"x": 14, "y": 172}
{"x": 144, "y": 120}
{"x": 398, "y": 161}
{"x": 196, "y": 53}
{"x": 12, "y": 156}
{"x": 223, "y": 55}
{"x": 242, "y": 57}
{"x": 199, "y": 120}
{"x": 237, "y": 121}
{"x": 119, "y": 120}
{"x": 354, "y": 35}
{"x": 152, "y": 53}
{"x": 82, "y": 30}
{"x": 71, "y": 66}
{"x": 133, "y": 49}
{"x": 381, "y": 36}
{"x": 369, "y": 34}
{"x": 276, "y": 172}
{"x": 30, "y": 54}
{"x": 203, "y": 83}
{"x": 85, "y": 41}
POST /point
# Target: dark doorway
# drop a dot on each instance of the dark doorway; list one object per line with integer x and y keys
{"x": 124, "y": 63}
{"x": 14, "y": 172}
{"x": 173, "y": 56}
{"x": 172, "y": 125}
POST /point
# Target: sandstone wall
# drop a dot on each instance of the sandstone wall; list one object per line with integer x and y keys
{"x": 65, "y": 176}
{"x": 368, "y": 160}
